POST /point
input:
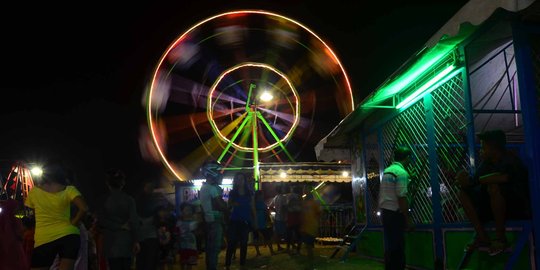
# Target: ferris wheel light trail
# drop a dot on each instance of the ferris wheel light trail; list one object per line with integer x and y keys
{"x": 228, "y": 111}
{"x": 182, "y": 122}
{"x": 303, "y": 122}
{"x": 259, "y": 115}
{"x": 246, "y": 120}
{"x": 216, "y": 111}
{"x": 279, "y": 127}
{"x": 182, "y": 100}
{"x": 210, "y": 111}
{"x": 226, "y": 97}
{"x": 208, "y": 147}
{"x": 242, "y": 12}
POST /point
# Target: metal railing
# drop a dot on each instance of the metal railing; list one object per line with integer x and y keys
{"x": 334, "y": 220}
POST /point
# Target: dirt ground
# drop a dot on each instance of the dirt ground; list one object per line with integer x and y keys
{"x": 284, "y": 261}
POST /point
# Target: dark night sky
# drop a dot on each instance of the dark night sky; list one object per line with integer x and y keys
{"x": 72, "y": 76}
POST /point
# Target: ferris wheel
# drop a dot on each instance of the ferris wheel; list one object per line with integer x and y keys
{"x": 244, "y": 87}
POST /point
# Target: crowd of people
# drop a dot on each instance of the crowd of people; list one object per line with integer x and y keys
{"x": 59, "y": 231}
{"x": 144, "y": 233}
{"x": 228, "y": 224}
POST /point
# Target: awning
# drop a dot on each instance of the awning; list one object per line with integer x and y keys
{"x": 305, "y": 172}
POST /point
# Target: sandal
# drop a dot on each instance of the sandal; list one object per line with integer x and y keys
{"x": 497, "y": 246}
{"x": 477, "y": 244}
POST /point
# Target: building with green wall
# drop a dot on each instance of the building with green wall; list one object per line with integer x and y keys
{"x": 481, "y": 71}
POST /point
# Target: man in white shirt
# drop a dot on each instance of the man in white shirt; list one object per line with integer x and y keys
{"x": 395, "y": 210}
{"x": 279, "y": 204}
{"x": 213, "y": 205}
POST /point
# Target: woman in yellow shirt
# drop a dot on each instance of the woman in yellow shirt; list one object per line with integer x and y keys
{"x": 56, "y": 232}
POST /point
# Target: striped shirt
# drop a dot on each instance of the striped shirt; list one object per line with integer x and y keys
{"x": 393, "y": 185}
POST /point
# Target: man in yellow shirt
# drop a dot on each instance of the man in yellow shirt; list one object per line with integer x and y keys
{"x": 56, "y": 232}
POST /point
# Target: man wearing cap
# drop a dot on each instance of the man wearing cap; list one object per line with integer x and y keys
{"x": 497, "y": 191}
{"x": 395, "y": 208}
{"x": 213, "y": 207}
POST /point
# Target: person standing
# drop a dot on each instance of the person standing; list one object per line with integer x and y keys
{"x": 147, "y": 207}
{"x": 263, "y": 231}
{"x": 395, "y": 209}
{"x": 279, "y": 204}
{"x": 120, "y": 223}
{"x": 309, "y": 229}
{"x": 294, "y": 214}
{"x": 242, "y": 216}
{"x": 12, "y": 253}
{"x": 56, "y": 232}
{"x": 213, "y": 205}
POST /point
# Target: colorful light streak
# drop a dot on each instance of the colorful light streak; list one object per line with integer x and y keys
{"x": 431, "y": 85}
{"x": 150, "y": 94}
{"x": 210, "y": 110}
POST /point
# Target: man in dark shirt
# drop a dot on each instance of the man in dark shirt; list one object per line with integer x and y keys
{"x": 498, "y": 191}
{"x": 119, "y": 222}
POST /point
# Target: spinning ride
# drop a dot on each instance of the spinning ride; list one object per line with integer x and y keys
{"x": 244, "y": 87}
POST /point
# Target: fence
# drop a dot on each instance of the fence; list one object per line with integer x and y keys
{"x": 334, "y": 220}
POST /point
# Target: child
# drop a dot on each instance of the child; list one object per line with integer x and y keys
{"x": 187, "y": 240}
{"x": 164, "y": 236}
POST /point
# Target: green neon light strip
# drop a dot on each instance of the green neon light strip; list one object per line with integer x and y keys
{"x": 422, "y": 89}
{"x": 251, "y": 86}
{"x": 233, "y": 168}
{"x": 430, "y": 59}
{"x": 432, "y": 84}
{"x": 255, "y": 151}
{"x": 275, "y": 136}
{"x": 246, "y": 120}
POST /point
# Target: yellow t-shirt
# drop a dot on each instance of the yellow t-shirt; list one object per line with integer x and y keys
{"x": 52, "y": 211}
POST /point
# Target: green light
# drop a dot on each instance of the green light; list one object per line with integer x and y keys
{"x": 251, "y": 86}
{"x": 427, "y": 61}
{"x": 255, "y": 150}
{"x": 233, "y": 168}
{"x": 428, "y": 87}
{"x": 274, "y": 135}
{"x": 246, "y": 120}
{"x": 321, "y": 199}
